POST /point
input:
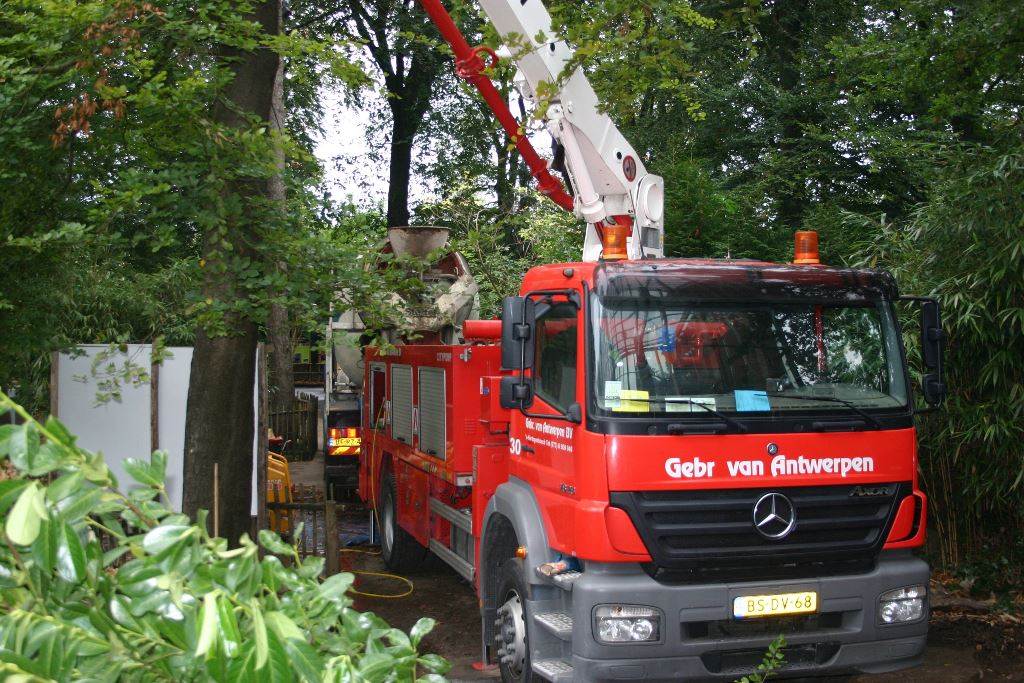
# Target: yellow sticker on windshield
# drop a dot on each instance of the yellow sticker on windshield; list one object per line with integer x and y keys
{"x": 634, "y": 401}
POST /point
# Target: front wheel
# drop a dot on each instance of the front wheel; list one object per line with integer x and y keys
{"x": 400, "y": 551}
{"x": 511, "y": 625}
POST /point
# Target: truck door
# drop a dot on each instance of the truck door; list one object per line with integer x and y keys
{"x": 544, "y": 450}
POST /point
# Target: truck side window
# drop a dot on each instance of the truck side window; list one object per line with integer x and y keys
{"x": 555, "y": 369}
{"x": 377, "y": 408}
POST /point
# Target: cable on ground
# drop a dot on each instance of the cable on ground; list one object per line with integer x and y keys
{"x": 384, "y": 575}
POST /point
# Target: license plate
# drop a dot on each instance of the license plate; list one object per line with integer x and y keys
{"x": 347, "y": 442}
{"x": 769, "y": 605}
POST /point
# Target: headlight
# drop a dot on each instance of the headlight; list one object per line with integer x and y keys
{"x": 627, "y": 624}
{"x": 902, "y": 605}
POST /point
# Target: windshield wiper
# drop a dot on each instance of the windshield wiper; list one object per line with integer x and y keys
{"x": 830, "y": 399}
{"x": 735, "y": 424}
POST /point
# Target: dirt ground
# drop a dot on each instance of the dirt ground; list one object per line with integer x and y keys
{"x": 441, "y": 595}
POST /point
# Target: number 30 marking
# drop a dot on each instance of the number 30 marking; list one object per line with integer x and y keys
{"x": 515, "y": 446}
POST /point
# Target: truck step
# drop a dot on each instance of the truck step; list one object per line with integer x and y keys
{"x": 453, "y": 560}
{"x": 555, "y": 670}
{"x": 461, "y": 518}
{"x": 563, "y": 580}
{"x": 559, "y": 623}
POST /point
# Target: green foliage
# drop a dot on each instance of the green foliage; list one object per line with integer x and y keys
{"x": 182, "y": 606}
{"x": 704, "y": 219}
{"x": 462, "y": 145}
{"x": 964, "y": 247}
{"x": 69, "y": 293}
{"x": 993, "y": 571}
{"x": 635, "y": 50}
{"x": 116, "y": 170}
{"x": 932, "y": 97}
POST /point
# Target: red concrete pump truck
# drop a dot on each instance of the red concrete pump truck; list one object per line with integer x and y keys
{"x": 650, "y": 468}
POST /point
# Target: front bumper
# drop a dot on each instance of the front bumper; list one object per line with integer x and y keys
{"x": 341, "y": 467}
{"x": 701, "y": 641}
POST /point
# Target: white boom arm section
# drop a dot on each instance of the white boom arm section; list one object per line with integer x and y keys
{"x": 610, "y": 182}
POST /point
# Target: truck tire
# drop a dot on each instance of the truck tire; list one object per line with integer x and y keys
{"x": 510, "y": 632}
{"x": 401, "y": 552}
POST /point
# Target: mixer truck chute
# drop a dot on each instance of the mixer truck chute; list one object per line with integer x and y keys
{"x": 446, "y": 297}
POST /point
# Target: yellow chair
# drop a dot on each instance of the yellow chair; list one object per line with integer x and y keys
{"x": 279, "y": 490}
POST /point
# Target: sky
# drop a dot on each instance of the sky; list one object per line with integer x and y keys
{"x": 340, "y": 149}
{"x": 344, "y": 151}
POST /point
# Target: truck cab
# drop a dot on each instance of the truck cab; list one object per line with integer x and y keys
{"x": 717, "y": 452}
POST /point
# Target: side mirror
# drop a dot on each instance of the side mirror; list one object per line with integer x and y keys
{"x": 933, "y": 389}
{"x": 931, "y": 334}
{"x": 516, "y": 392}
{"x": 518, "y": 322}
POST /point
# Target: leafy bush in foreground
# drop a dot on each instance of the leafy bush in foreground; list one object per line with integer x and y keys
{"x": 182, "y": 606}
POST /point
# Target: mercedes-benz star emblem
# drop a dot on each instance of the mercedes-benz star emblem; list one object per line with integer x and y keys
{"x": 774, "y": 516}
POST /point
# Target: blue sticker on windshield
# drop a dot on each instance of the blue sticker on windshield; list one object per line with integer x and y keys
{"x": 749, "y": 400}
{"x": 666, "y": 340}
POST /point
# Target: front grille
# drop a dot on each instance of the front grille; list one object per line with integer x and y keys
{"x": 690, "y": 534}
{"x": 756, "y": 628}
{"x": 795, "y": 658}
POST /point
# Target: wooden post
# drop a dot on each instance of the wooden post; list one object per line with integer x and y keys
{"x": 54, "y": 375}
{"x": 154, "y": 403}
{"x": 216, "y": 500}
{"x": 331, "y": 542}
{"x": 276, "y": 498}
{"x": 308, "y": 532}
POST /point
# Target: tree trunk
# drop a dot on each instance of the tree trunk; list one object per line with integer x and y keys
{"x": 793, "y": 198}
{"x": 403, "y": 130}
{"x": 407, "y": 111}
{"x": 219, "y": 427}
{"x": 409, "y": 68}
{"x": 219, "y": 421}
{"x": 281, "y": 384}
{"x": 282, "y": 372}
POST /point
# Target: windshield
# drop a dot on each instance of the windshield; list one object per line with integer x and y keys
{"x": 676, "y": 357}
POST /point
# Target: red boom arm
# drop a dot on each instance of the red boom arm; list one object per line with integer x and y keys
{"x": 469, "y": 65}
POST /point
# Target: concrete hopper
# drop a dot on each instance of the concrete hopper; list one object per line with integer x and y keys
{"x": 417, "y": 240}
